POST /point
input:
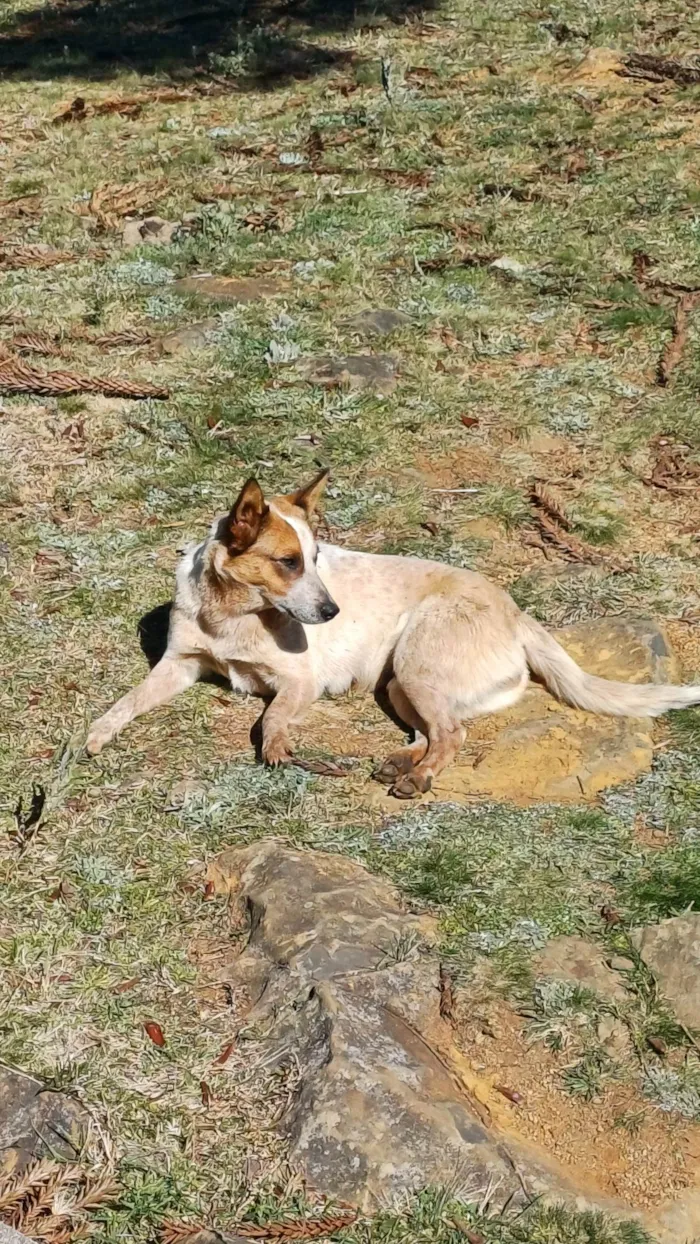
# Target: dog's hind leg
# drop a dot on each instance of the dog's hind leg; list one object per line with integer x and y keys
{"x": 166, "y": 680}
{"x": 445, "y": 737}
{"x": 404, "y": 758}
{"x": 454, "y": 661}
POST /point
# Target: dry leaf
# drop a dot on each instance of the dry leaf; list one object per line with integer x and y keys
{"x": 510, "y": 1093}
{"x": 155, "y": 1033}
{"x": 225, "y": 1054}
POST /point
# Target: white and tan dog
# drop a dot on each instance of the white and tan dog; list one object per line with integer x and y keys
{"x": 445, "y": 644}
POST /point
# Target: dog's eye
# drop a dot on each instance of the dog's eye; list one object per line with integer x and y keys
{"x": 289, "y": 563}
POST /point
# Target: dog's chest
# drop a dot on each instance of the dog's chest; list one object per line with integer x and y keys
{"x": 246, "y": 655}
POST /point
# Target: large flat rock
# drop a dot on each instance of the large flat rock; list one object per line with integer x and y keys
{"x": 671, "y": 950}
{"x": 345, "y": 984}
{"x": 575, "y": 960}
{"x": 543, "y": 750}
{"x": 226, "y": 288}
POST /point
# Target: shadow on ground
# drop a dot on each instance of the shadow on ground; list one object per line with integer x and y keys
{"x": 265, "y": 41}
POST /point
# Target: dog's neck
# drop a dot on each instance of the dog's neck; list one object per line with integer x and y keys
{"x": 222, "y": 598}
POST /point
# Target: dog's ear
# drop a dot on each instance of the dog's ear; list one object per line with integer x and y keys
{"x": 241, "y": 526}
{"x": 307, "y": 498}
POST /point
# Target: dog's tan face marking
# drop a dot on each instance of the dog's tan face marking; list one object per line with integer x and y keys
{"x": 272, "y": 550}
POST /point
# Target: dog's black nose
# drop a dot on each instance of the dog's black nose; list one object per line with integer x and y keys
{"x": 328, "y": 610}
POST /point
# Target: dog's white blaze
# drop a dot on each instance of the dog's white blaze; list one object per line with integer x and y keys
{"x": 307, "y": 595}
{"x": 306, "y": 540}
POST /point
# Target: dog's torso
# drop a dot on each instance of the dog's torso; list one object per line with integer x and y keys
{"x": 376, "y": 596}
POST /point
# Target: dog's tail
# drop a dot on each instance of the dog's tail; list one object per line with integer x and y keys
{"x": 568, "y": 682}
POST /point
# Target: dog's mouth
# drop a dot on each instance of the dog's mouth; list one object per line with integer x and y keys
{"x": 315, "y": 615}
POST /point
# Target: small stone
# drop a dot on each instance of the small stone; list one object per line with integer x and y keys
{"x": 576, "y": 960}
{"x": 671, "y": 950}
{"x": 619, "y": 964}
{"x": 614, "y": 1036}
{"x": 192, "y": 337}
{"x": 354, "y": 371}
{"x": 36, "y": 1122}
{"x": 379, "y": 323}
{"x": 226, "y": 288}
{"x": 153, "y": 231}
{"x": 599, "y": 64}
{"x": 513, "y": 267}
{"x": 8, "y": 1235}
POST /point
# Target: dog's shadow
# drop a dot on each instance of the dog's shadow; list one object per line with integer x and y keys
{"x": 152, "y": 631}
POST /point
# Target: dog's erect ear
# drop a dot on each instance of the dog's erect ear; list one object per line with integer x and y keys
{"x": 241, "y": 526}
{"x": 307, "y": 498}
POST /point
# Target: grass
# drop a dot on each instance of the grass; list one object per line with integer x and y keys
{"x": 553, "y": 353}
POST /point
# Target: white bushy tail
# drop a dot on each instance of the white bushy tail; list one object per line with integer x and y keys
{"x": 568, "y": 682}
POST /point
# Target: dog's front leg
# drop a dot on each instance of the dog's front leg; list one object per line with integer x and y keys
{"x": 167, "y": 679}
{"x": 287, "y": 708}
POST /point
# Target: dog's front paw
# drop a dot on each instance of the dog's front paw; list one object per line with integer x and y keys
{"x": 276, "y": 752}
{"x": 98, "y": 738}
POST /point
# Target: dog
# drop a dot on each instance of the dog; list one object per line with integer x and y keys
{"x": 289, "y": 619}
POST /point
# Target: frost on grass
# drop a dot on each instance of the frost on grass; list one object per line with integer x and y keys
{"x": 654, "y": 588}
{"x": 562, "y": 1010}
{"x": 506, "y": 876}
{"x": 673, "y": 1092}
{"x": 139, "y": 272}
{"x": 431, "y": 1216}
{"x": 666, "y": 798}
{"x": 248, "y": 798}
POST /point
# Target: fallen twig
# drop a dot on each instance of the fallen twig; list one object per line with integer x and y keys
{"x": 658, "y": 68}
{"x": 672, "y": 352}
{"x": 555, "y": 529}
{"x": 671, "y": 468}
{"x": 17, "y": 256}
{"x": 46, "y": 1199}
{"x": 177, "y": 1232}
{"x": 546, "y": 500}
{"x": 16, "y": 376}
{"x": 36, "y": 343}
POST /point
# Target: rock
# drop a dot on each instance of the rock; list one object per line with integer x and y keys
{"x": 544, "y": 750}
{"x": 379, "y": 323}
{"x": 36, "y": 1122}
{"x": 671, "y": 950}
{"x": 541, "y": 442}
{"x": 8, "y": 1235}
{"x": 576, "y": 960}
{"x": 614, "y": 1036}
{"x": 192, "y": 337}
{"x": 619, "y": 964}
{"x": 599, "y": 65}
{"x": 512, "y": 267}
{"x": 153, "y": 231}
{"x": 353, "y": 371}
{"x": 226, "y": 288}
{"x": 348, "y": 992}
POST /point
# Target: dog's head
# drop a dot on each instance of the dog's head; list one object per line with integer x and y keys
{"x": 271, "y": 549}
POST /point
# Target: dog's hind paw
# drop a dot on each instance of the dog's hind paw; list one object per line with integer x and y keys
{"x": 386, "y": 773}
{"x": 410, "y": 787}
